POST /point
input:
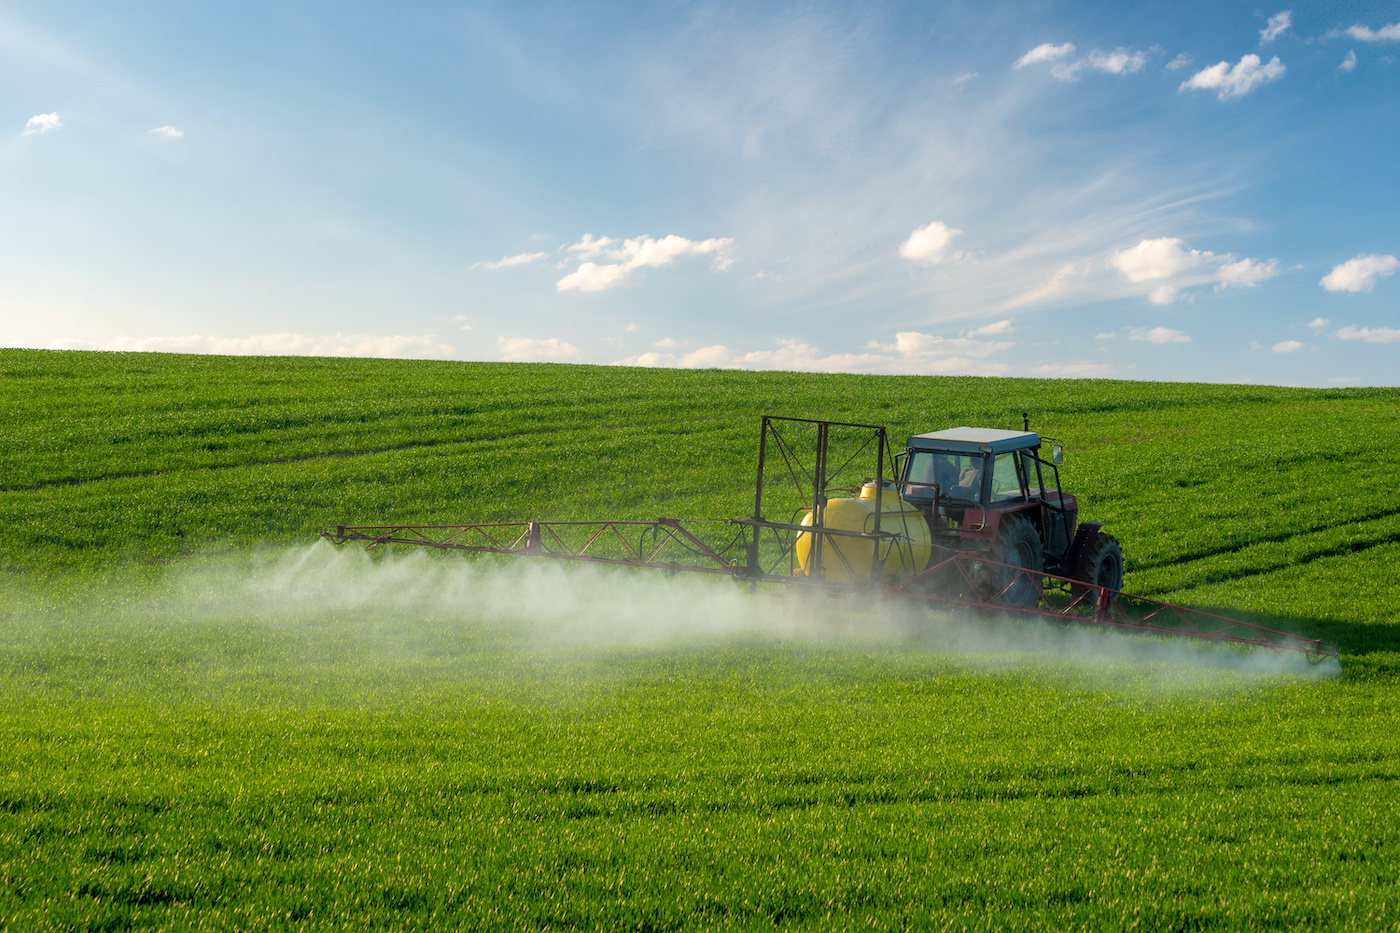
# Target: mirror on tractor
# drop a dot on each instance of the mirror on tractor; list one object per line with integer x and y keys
{"x": 1057, "y": 455}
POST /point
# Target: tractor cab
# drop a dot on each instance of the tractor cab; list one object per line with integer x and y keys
{"x": 968, "y": 480}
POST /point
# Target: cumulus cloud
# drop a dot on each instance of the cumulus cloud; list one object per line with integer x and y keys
{"x": 1045, "y": 52}
{"x": 1168, "y": 263}
{"x": 1370, "y": 334}
{"x": 1348, "y": 63}
{"x": 1157, "y": 335}
{"x": 1160, "y": 258}
{"x": 1389, "y": 33}
{"x": 1247, "y": 273}
{"x": 910, "y": 352}
{"x": 42, "y": 123}
{"x": 1288, "y": 346}
{"x": 362, "y": 345}
{"x": 170, "y": 131}
{"x": 528, "y": 348}
{"x": 929, "y": 244}
{"x": 1235, "y": 81}
{"x": 505, "y": 262}
{"x": 1279, "y": 23}
{"x": 630, "y": 255}
{"x": 1318, "y": 323}
{"x": 1360, "y": 273}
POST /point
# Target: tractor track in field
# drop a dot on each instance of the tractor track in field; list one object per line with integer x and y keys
{"x": 1338, "y": 550}
{"x": 325, "y": 455}
{"x": 1273, "y": 539}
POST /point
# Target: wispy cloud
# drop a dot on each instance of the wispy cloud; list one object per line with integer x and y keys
{"x": 910, "y": 352}
{"x": 1247, "y": 273}
{"x": 1288, "y": 346}
{"x": 1370, "y": 334}
{"x": 42, "y": 123}
{"x": 1360, "y": 273}
{"x": 397, "y": 346}
{"x": 169, "y": 131}
{"x": 1157, "y": 335}
{"x": 506, "y": 262}
{"x": 530, "y": 348}
{"x": 631, "y": 255}
{"x": 1389, "y": 33}
{"x": 1279, "y": 23}
{"x": 1045, "y": 52}
{"x": 1231, "y": 82}
{"x": 1348, "y": 63}
{"x": 992, "y": 329}
{"x": 1120, "y": 61}
{"x": 1182, "y": 60}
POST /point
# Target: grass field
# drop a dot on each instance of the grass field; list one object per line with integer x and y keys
{"x": 209, "y": 721}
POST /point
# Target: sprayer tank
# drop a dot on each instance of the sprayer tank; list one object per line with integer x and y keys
{"x": 846, "y": 559}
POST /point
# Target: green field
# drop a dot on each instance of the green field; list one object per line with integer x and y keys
{"x": 209, "y": 720}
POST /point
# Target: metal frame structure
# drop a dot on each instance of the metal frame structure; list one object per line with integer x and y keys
{"x": 957, "y": 580}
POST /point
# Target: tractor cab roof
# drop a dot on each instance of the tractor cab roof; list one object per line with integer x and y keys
{"x": 975, "y": 440}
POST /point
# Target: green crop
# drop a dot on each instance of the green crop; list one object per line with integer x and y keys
{"x": 207, "y": 722}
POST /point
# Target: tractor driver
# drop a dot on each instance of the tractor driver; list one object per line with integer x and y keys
{"x": 968, "y": 484}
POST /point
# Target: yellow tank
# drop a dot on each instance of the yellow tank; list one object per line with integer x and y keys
{"x": 903, "y": 556}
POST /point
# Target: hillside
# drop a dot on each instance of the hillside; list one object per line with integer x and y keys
{"x": 210, "y": 720}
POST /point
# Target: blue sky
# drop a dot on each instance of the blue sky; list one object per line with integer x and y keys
{"x": 1145, "y": 191}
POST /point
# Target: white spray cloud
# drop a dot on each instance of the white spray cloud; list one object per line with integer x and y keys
{"x": 568, "y": 607}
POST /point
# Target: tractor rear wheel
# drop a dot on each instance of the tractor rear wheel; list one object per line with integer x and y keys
{"x": 1018, "y": 544}
{"x": 1100, "y": 563}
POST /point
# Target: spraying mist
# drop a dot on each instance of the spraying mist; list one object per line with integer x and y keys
{"x": 556, "y": 606}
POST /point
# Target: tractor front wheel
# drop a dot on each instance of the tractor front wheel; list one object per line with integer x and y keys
{"x": 1018, "y": 544}
{"x": 1100, "y": 564}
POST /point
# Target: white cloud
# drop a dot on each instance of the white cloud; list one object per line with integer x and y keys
{"x": 1045, "y": 52}
{"x": 527, "y": 348}
{"x": 1074, "y": 370}
{"x": 1278, "y": 24}
{"x": 1183, "y": 60}
{"x": 170, "y": 131}
{"x": 1247, "y": 273}
{"x": 42, "y": 123}
{"x": 929, "y": 244}
{"x": 1348, "y": 63}
{"x": 639, "y": 253}
{"x": 911, "y": 352}
{"x": 1117, "y": 62}
{"x": 963, "y": 78}
{"x": 362, "y": 345}
{"x": 1237, "y": 81}
{"x": 1360, "y": 273}
{"x": 1370, "y": 334}
{"x": 1106, "y": 335}
{"x": 505, "y": 262}
{"x": 1156, "y": 259}
{"x": 1288, "y": 346}
{"x": 1164, "y": 260}
{"x": 1157, "y": 335}
{"x": 665, "y": 342}
{"x": 1318, "y": 323}
{"x": 72, "y": 343}
{"x": 1389, "y": 33}
{"x": 992, "y": 329}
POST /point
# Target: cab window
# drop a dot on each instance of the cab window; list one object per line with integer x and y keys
{"x": 958, "y": 476}
{"x": 1006, "y": 478}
